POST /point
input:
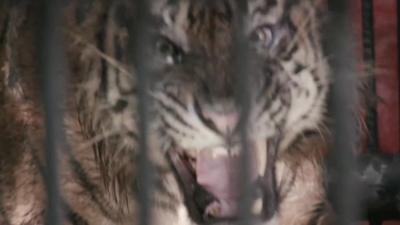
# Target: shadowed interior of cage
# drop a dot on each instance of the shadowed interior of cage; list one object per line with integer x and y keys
{"x": 54, "y": 71}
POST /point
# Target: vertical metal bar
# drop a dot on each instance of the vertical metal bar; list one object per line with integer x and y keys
{"x": 344, "y": 96}
{"x": 240, "y": 65}
{"x": 53, "y": 71}
{"x": 369, "y": 60}
{"x": 139, "y": 40}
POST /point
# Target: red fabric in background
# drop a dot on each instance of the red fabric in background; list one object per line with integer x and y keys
{"x": 391, "y": 222}
{"x": 386, "y": 63}
{"x": 387, "y": 72}
{"x": 387, "y": 77}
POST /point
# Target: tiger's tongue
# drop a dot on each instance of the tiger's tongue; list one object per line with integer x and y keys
{"x": 219, "y": 173}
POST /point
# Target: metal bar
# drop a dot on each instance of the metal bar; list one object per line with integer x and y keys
{"x": 53, "y": 70}
{"x": 369, "y": 60}
{"x": 344, "y": 95}
{"x": 139, "y": 40}
{"x": 241, "y": 82}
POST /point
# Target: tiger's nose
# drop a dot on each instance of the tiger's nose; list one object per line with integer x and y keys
{"x": 222, "y": 122}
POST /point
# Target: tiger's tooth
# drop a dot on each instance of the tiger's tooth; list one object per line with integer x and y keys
{"x": 257, "y": 206}
{"x": 261, "y": 151}
{"x": 219, "y": 152}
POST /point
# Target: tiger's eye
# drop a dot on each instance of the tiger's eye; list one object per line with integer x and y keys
{"x": 169, "y": 51}
{"x": 164, "y": 47}
{"x": 263, "y": 35}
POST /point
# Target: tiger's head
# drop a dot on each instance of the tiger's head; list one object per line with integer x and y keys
{"x": 195, "y": 72}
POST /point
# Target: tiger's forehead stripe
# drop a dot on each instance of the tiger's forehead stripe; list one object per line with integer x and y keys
{"x": 199, "y": 22}
{"x": 266, "y": 11}
{"x": 176, "y": 14}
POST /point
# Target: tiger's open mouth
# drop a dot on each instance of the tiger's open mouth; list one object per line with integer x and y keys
{"x": 212, "y": 184}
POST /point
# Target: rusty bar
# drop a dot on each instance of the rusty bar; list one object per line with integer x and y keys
{"x": 53, "y": 70}
{"x": 341, "y": 159}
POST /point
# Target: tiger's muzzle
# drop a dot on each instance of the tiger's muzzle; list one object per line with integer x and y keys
{"x": 212, "y": 178}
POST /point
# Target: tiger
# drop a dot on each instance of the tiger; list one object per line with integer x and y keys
{"x": 195, "y": 122}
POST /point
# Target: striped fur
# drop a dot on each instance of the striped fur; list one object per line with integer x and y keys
{"x": 191, "y": 67}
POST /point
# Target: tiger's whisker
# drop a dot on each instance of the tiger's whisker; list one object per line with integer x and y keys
{"x": 97, "y": 138}
{"x": 110, "y": 60}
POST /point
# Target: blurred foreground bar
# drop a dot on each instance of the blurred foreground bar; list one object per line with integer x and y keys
{"x": 341, "y": 159}
{"x": 140, "y": 44}
{"x": 53, "y": 70}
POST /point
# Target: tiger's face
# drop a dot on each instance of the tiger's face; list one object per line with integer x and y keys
{"x": 195, "y": 72}
{"x": 195, "y": 85}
